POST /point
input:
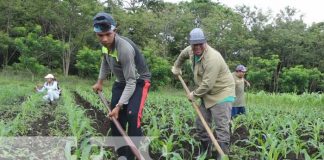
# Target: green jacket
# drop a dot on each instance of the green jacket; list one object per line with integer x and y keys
{"x": 239, "y": 91}
{"x": 212, "y": 76}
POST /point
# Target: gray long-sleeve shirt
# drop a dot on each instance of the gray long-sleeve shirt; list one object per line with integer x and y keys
{"x": 127, "y": 63}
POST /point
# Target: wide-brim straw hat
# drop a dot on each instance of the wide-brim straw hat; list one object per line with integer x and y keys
{"x": 49, "y": 76}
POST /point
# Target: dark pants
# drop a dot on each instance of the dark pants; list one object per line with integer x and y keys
{"x": 237, "y": 111}
{"x": 220, "y": 115}
{"x": 131, "y": 113}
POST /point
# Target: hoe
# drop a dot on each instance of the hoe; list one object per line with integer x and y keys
{"x": 121, "y": 130}
{"x": 210, "y": 133}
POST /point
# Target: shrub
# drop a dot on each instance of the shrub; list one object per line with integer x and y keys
{"x": 299, "y": 79}
{"x": 159, "y": 67}
{"x": 88, "y": 62}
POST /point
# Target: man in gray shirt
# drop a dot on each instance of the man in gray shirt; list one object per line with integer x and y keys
{"x": 122, "y": 57}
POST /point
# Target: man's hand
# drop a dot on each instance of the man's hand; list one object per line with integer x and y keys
{"x": 247, "y": 83}
{"x": 37, "y": 87}
{"x": 115, "y": 112}
{"x": 191, "y": 97}
{"x": 176, "y": 71}
{"x": 98, "y": 86}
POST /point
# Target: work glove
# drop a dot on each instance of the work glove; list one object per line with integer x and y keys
{"x": 176, "y": 71}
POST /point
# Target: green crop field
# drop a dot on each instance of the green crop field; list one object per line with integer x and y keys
{"x": 276, "y": 126}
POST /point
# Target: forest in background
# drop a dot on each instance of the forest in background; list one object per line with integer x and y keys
{"x": 282, "y": 53}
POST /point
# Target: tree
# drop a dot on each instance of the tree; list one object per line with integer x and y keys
{"x": 299, "y": 79}
{"x": 69, "y": 21}
{"x": 261, "y": 72}
{"x": 11, "y": 15}
{"x": 88, "y": 62}
{"x": 43, "y": 49}
{"x": 5, "y": 42}
{"x": 314, "y": 45}
{"x": 31, "y": 65}
{"x": 224, "y": 28}
{"x": 159, "y": 68}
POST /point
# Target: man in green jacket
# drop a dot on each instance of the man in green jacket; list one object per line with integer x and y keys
{"x": 239, "y": 104}
{"x": 214, "y": 86}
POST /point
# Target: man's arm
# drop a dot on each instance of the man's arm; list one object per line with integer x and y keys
{"x": 104, "y": 71}
{"x": 184, "y": 55}
{"x": 247, "y": 82}
{"x": 127, "y": 60}
{"x": 41, "y": 88}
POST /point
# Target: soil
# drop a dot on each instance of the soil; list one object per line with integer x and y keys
{"x": 42, "y": 126}
{"x": 293, "y": 156}
{"x": 100, "y": 120}
{"x": 19, "y": 100}
{"x": 9, "y": 115}
{"x": 239, "y": 134}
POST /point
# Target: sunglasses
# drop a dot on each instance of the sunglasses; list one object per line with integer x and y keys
{"x": 103, "y": 26}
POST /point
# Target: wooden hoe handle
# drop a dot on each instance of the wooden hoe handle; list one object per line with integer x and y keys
{"x": 121, "y": 130}
{"x": 210, "y": 133}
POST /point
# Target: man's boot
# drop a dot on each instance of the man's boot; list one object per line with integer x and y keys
{"x": 206, "y": 147}
{"x": 225, "y": 147}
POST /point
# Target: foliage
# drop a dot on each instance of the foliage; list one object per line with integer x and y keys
{"x": 18, "y": 32}
{"x": 261, "y": 71}
{"x": 88, "y": 62}
{"x": 240, "y": 34}
{"x": 159, "y": 68}
{"x": 31, "y": 65}
{"x": 44, "y": 49}
{"x": 4, "y": 41}
{"x": 299, "y": 79}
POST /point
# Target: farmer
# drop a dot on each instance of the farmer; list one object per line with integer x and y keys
{"x": 51, "y": 85}
{"x": 122, "y": 57}
{"x": 215, "y": 88}
{"x": 239, "y": 104}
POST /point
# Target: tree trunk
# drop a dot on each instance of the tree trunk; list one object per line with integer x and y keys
{"x": 276, "y": 78}
{"x": 66, "y": 57}
{"x": 66, "y": 61}
{"x": 5, "y": 59}
{"x": 6, "y": 50}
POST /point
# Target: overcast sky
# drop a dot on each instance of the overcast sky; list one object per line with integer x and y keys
{"x": 313, "y": 10}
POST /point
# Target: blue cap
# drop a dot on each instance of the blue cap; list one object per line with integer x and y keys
{"x": 197, "y": 36}
{"x": 103, "y": 22}
{"x": 241, "y": 68}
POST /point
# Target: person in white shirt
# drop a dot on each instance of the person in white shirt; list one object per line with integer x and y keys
{"x": 51, "y": 86}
